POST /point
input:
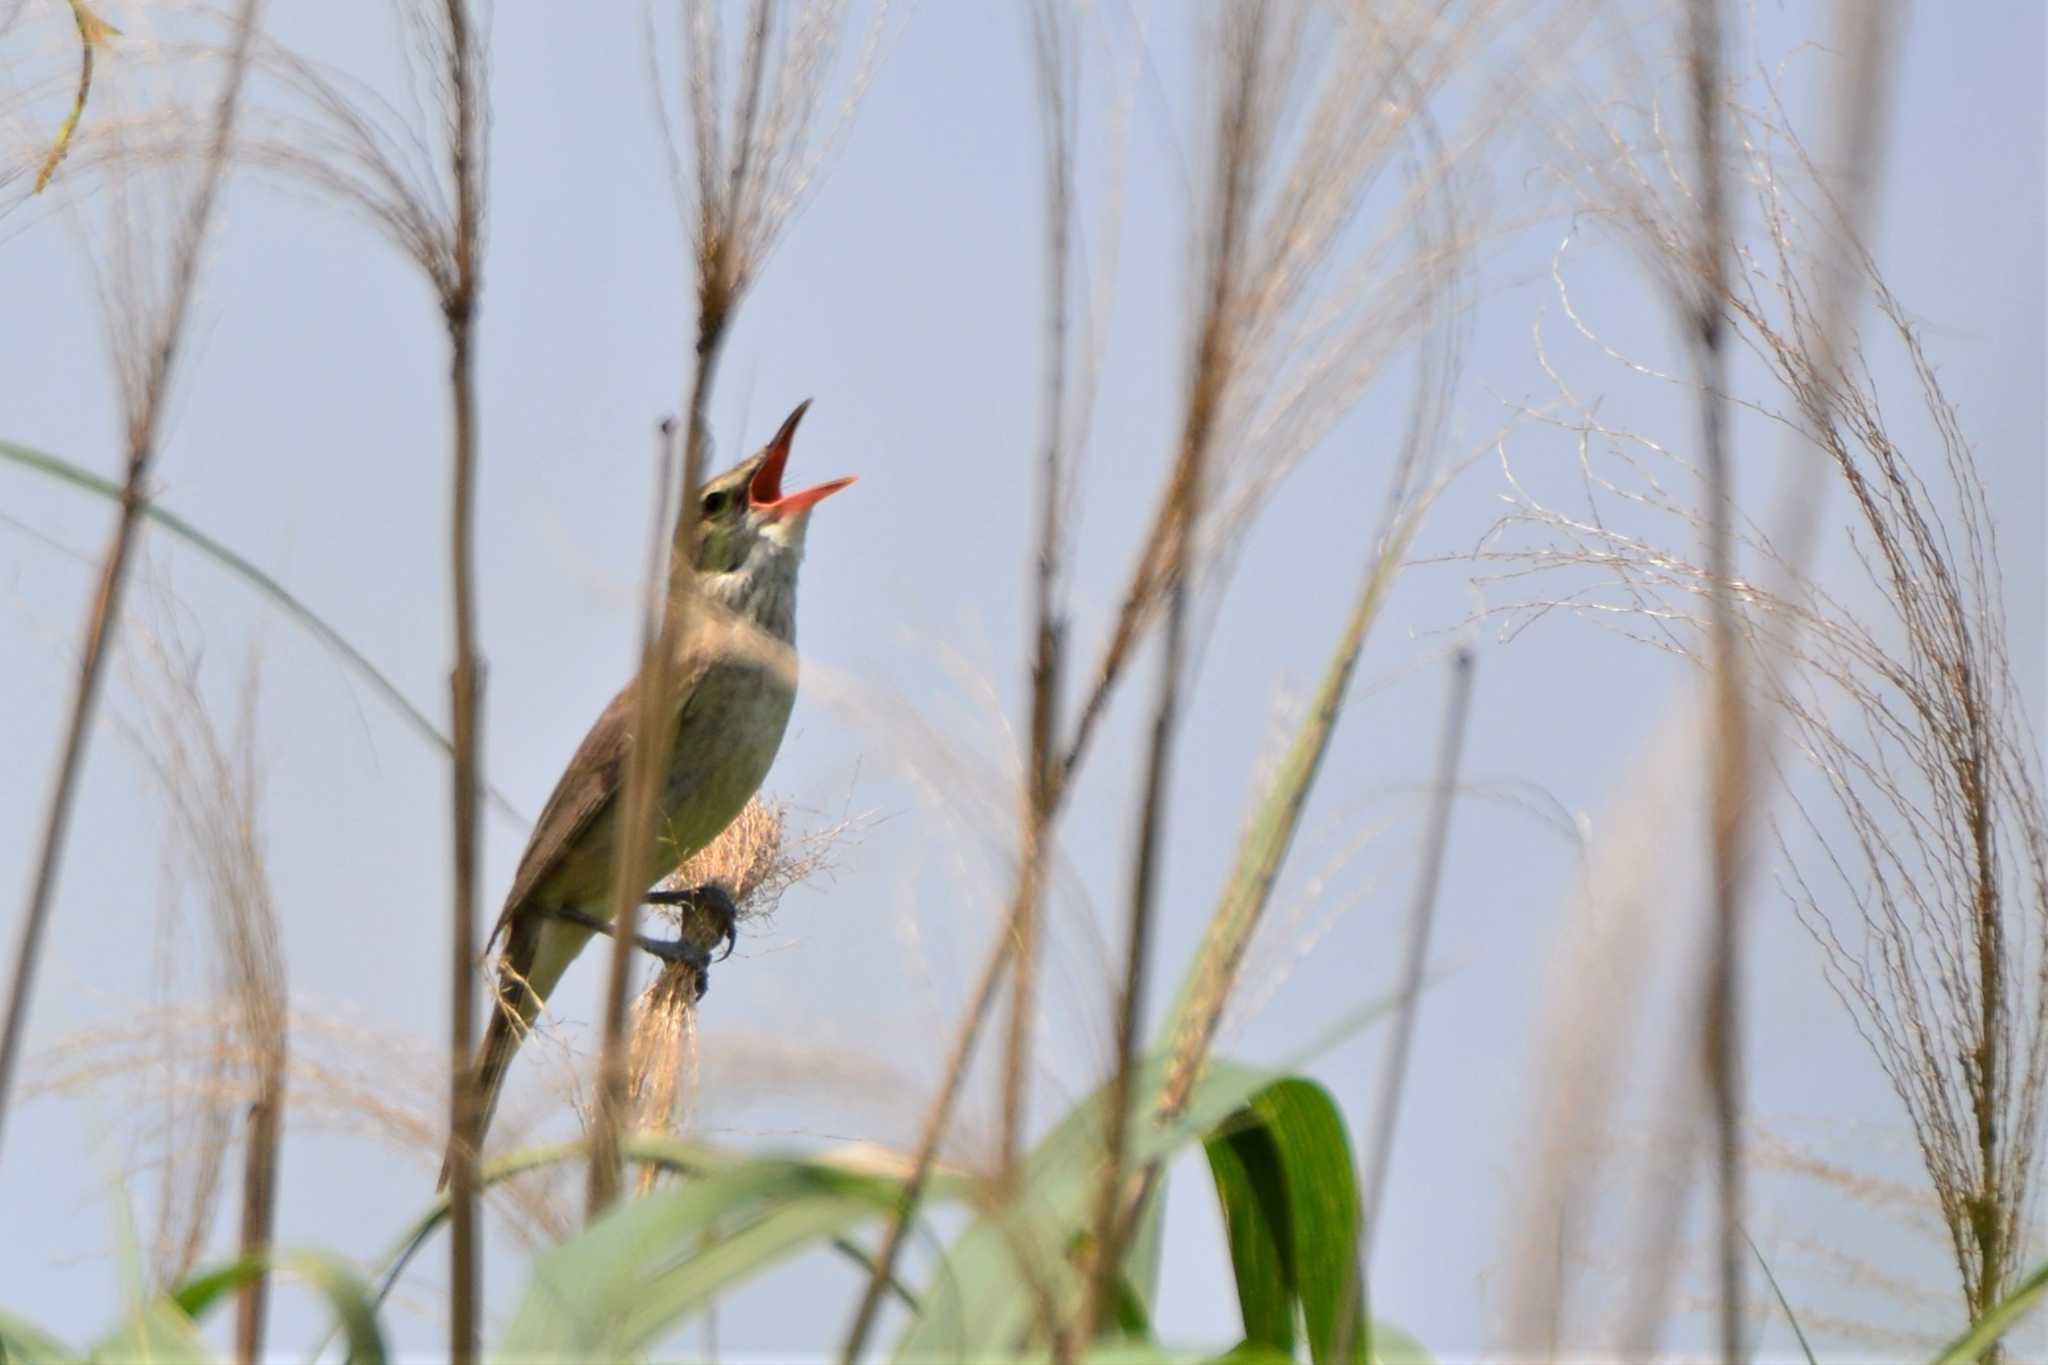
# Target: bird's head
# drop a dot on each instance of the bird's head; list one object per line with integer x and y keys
{"x": 743, "y": 514}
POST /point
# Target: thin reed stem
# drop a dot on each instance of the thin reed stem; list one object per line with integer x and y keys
{"x": 1728, "y": 765}
{"x": 1053, "y": 62}
{"x": 145, "y": 405}
{"x": 261, "y": 1137}
{"x": 1143, "y": 909}
{"x": 1421, "y": 918}
{"x": 936, "y": 1121}
{"x": 458, "y": 310}
{"x": 664, "y": 626}
{"x": 1215, "y": 357}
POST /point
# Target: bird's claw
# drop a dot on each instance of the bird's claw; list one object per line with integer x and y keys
{"x": 714, "y": 900}
{"x": 674, "y": 951}
{"x": 711, "y": 898}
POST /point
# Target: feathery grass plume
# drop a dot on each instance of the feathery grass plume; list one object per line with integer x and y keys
{"x": 417, "y": 169}
{"x": 1914, "y": 846}
{"x": 1842, "y": 1297}
{"x": 343, "y": 1076}
{"x": 1276, "y": 353}
{"x": 1293, "y": 312}
{"x": 211, "y": 784}
{"x": 751, "y": 166}
{"x": 754, "y": 862}
{"x": 756, "y": 152}
{"x": 1916, "y": 849}
{"x": 147, "y": 271}
{"x": 195, "y": 1116}
{"x": 1319, "y": 306}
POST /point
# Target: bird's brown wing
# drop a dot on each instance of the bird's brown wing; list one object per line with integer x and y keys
{"x": 587, "y": 788}
{"x": 589, "y": 784}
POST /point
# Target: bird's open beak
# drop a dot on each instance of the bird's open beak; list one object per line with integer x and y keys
{"x": 764, "y": 492}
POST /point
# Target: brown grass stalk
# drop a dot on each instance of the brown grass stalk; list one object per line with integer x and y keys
{"x": 147, "y": 326}
{"x": 1414, "y": 954}
{"x": 212, "y": 791}
{"x": 937, "y": 1119}
{"x": 1252, "y": 48}
{"x": 754, "y": 861}
{"x": 751, "y": 167}
{"x": 1313, "y": 316}
{"x": 665, "y": 620}
{"x": 312, "y": 126}
{"x": 1794, "y": 310}
{"x": 1056, "y": 62}
{"x": 459, "y": 296}
{"x": 1728, "y": 770}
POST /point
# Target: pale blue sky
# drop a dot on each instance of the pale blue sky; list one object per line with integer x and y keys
{"x": 309, "y": 434}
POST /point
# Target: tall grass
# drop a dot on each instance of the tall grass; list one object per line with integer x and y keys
{"x": 147, "y": 282}
{"x": 1331, "y": 231}
{"x": 1912, "y": 845}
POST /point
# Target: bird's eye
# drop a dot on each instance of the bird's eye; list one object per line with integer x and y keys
{"x": 714, "y": 502}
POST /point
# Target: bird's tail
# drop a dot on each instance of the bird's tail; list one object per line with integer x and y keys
{"x": 537, "y": 952}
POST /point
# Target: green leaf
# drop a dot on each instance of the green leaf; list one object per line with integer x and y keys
{"x": 78, "y": 476}
{"x": 983, "y": 1301}
{"x": 1392, "y": 1346}
{"x": 636, "y": 1273}
{"x": 1254, "y": 1353}
{"x": 1316, "y": 1166}
{"x": 1142, "y": 1257}
{"x": 346, "y": 1293}
{"x": 24, "y": 1343}
{"x": 1982, "y": 1335}
{"x": 1127, "y": 1351}
{"x": 1257, "y": 1226}
{"x": 667, "y": 1153}
{"x": 158, "y": 1332}
{"x": 1286, "y": 1180}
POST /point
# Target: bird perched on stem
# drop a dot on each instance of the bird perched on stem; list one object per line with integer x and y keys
{"x": 731, "y": 685}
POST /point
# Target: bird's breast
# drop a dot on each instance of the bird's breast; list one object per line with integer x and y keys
{"x": 726, "y": 740}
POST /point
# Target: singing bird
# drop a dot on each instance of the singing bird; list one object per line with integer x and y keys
{"x": 730, "y": 687}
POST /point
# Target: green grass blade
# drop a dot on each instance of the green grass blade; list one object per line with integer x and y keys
{"x": 157, "y": 1332}
{"x": 1805, "y": 1348}
{"x": 1972, "y": 1344}
{"x": 346, "y": 1292}
{"x": 280, "y": 596}
{"x": 815, "y": 1219}
{"x": 641, "y": 1270}
{"x": 713, "y": 1166}
{"x": 981, "y": 1303}
{"x": 1285, "y": 1175}
{"x": 1319, "y": 1176}
{"x": 1263, "y": 851}
{"x": 1392, "y": 1346}
{"x": 1258, "y": 1230}
{"x": 24, "y": 1343}
{"x": 669, "y": 1154}
{"x": 1147, "y": 1249}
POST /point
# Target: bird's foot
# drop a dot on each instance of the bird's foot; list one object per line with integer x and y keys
{"x": 682, "y": 950}
{"x": 677, "y": 951}
{"x": 711, "y": 898}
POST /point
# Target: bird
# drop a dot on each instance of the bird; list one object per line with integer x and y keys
{"x": 731, "y": 684}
